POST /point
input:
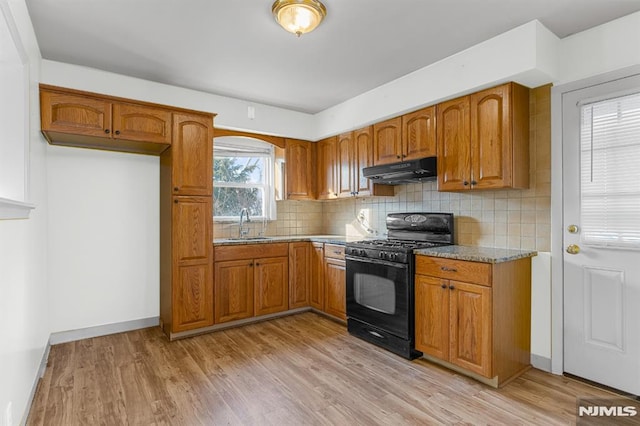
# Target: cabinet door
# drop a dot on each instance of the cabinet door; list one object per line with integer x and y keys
{"x": 326, "y": 151}
{"x": 191, "y": 224}
{"x": 432, "y": 316}
{"x": 300, "y": 166}
{"x": 316, "y": 293}
{"x": 192, "y": 152}
{"x": 453, "y": 135}
{"x": 419, "y": 134}
{"x": 491, "y": 138}
{"x": 335, "y": 296}
{"x": 233, "y": 290}
{"x": 470, "y": 327}
{"x": 141, "y": 123}
{"x": 271, "y": 285}
{"x": 75, "y": 114}
{"x": 387, "y": 141}
{"x": 299, "y": 274}
{"x": 192, "y": 296}
{"x": 345, "y": 164}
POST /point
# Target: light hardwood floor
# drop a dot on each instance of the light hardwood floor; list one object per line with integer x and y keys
{"x": 298, "y": 370}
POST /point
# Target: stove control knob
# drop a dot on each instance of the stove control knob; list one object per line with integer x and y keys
{"x": 363, "y": 252}
{"x": 382, "y": 255}
{"x": 393, "y": 256}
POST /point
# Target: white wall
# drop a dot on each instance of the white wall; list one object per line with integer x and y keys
{"x": 24, "y": 303}
{"x": 103, "y": 237}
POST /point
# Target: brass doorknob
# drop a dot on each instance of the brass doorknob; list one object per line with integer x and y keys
{"x": 573, "y": 229}
{"x": 573, "y": 249}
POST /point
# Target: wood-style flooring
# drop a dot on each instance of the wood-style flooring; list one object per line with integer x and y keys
{"x": 297, "y": 370}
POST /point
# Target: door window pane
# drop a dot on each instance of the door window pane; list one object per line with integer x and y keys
{"x": 610, "y": 172}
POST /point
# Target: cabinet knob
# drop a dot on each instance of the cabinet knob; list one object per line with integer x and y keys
{"x": 465, "y": 183}
{"x": 398, "y": 157}
{"x": 451, "y": 287}
{"x": 473, "y": 182}
{"x": 175, "y": 201}
{"x": 257, "y": 264}
{"x": 443, "y": 286}
{"x": 175, "y": 188}
{"x": 107, "y": 131}
{"x": 117, "y": 132}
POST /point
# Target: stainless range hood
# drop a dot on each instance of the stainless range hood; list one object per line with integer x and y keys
{"x": 412, "y": 171}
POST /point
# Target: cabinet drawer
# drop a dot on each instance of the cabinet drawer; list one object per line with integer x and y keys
{"x": 334, "y": 251}
{"x": 250, "y": 251}
{"x": 459, "y": 270}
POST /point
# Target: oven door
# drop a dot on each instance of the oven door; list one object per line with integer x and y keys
{"x": 378, "y": 294}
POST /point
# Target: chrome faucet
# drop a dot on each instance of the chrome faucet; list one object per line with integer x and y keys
{"x": 243, "y": 232}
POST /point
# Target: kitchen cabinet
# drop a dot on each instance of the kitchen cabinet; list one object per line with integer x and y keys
{"x": 387, "y": 141}
{"x": 186, "y": 204}
{"x": 326, "y": 172}
{"x": 233, "y": 290}
{"x": 80, "y": 119}
{"x": 243, "y": 271}
{"x": 483, "y": 140}
{"x": 335, "y": 277}
{"x": 474, "y": 317}
{"x": 300, "y": 163}
{"x": 316, "y": 291}
{"x": 408, "y": 137}
{"x": 354, "y": 153}
{"x": 271, "y": 286}
{"x": 299, "y": 274}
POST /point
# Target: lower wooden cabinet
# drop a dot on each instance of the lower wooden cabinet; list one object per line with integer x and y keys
{"x": 271, "y": 285}
{"x": 316, "y": 291}
{"x": 475, "y": 316}
{"x": 250, "y": 280}
{"x": 299, "y": 274}
{"x": 335, "y": 278}
{"x": 259, "y": 279}
{"x": 233, "y": 290}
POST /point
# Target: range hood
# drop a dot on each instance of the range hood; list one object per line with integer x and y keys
{"x": 413, "y": 171}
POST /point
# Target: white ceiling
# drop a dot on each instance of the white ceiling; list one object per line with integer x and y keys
{"x": 234, "y": 47}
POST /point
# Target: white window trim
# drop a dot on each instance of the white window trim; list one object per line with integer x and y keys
{"x": 241, "y": 148}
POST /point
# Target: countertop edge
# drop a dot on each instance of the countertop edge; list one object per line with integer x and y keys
{"x": 328, "y": 239}
{"x": 476, "y": 254}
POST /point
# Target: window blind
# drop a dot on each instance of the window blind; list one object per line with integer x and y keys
{"x": 610, "y": 172}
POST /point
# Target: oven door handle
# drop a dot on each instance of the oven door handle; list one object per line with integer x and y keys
{"x": 377, "y": 262}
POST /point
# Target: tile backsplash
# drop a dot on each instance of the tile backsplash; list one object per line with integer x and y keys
{"x": 517, "y": 219}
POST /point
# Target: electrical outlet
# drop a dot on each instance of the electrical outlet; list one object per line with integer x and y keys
{"x": 8, "y": 414}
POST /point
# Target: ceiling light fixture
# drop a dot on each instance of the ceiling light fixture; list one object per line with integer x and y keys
{"x": 298, "y": 16}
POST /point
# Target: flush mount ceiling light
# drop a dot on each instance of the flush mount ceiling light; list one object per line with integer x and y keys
{"x": 298, "y": 16}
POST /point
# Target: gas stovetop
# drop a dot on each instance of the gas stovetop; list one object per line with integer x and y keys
{"x": 407, "y": 232}
{"x": 401, "y": 245}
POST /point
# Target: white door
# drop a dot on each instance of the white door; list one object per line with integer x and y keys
{"x": 601, "y": 201}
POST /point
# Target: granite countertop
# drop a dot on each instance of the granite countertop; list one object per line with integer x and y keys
{"x": 331, "y": 239}
{"x": 476, "y": 254}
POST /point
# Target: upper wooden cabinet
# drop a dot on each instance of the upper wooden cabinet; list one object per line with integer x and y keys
{"x": 408, "y": 137}
{"x": 419, "y": 134}
{"x": 74, "y": 118}
{"x": 483, "y": 140}
{"x": 300, "y": 177}
{"x": 326, "y": 178}
{"x": 387, "y": 141}
{"x": 354, "y": 153}
{"x": 192, "y": 153}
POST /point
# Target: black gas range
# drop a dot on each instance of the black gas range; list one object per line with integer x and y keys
{"x": 380, "y": 279}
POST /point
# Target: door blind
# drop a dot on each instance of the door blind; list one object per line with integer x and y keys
{"x": 610, "y": 172}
